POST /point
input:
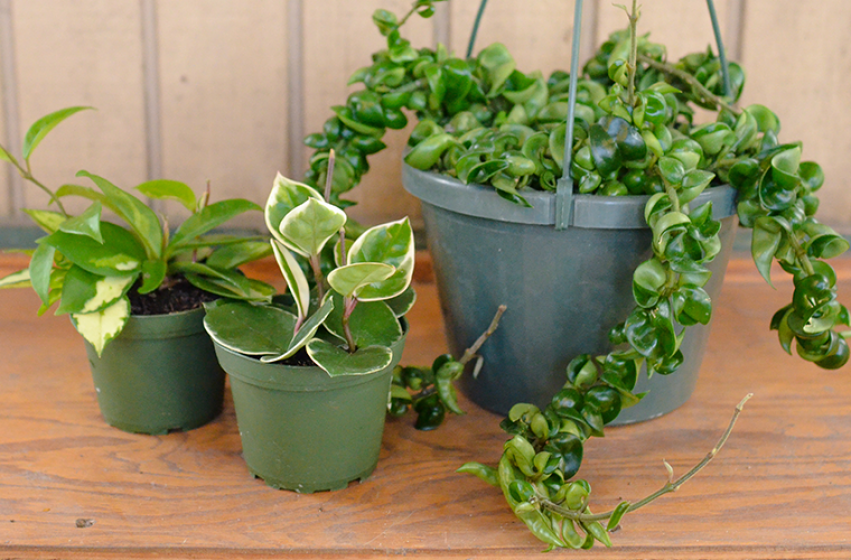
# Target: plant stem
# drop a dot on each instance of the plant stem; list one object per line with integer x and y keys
{"x": 316, "y": 266}
{"x": 27, "y": 175}
{"x": 349, "y": 306}
{"x": 698, "y": 88}
{"x": 670, "y": 486}
{"x": 801, "y": 254}
{"x": 672, "y": 195}
{"x": 470, "y": 352}
{"x": 329, "y": 174}
{"x": 633, "y": 54}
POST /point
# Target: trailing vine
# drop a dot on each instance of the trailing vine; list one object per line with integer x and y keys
{"x": 483, "y": 121}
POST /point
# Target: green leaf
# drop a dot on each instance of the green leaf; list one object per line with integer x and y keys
{"x": 208, "y": 218}
{"x": 20, "y": 279}
{"x": 153, "y": 274}
{"x": 46, "y": 220}
{"x": 84, "y": 292}
{"x": 102, "y": 326}
{"x": 401, "y": 304}
{"x": 371, "y": 323}
{"x": 305, "y": 332}
{"x": 138, "y": 216}
{"x": 483, "y": 472}
{"x": 647, "y": 282}
{"x": 237, "y": 283}
{"x": 351, "y": 279}
{"x": 237, "y": 254}
{"x": 253, "y": 330}
{"x": 499, "y": 65}
{"x": 694, "y": 182}
{"x": 286, "y": 194}
{"x": 336, "y": 361}
{"x": 391, "y": 244}
{"x": 294, "y": 277}
{"x": 784, "y": 167}
{"x": 766, "y": 120}
{"x": 42, "y": 126}
{"x": 87, "y": 223}
{"x": 766, "y": 238}
{"x": 308, "y": 227}
{"x": 257, "y": 291}
{"x": 41, "y": 266}
{"x": 166, "y": 189}
{"x": 6, "y": 156}
{"x": 118, "y": 255}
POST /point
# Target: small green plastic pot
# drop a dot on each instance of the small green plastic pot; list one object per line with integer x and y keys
{"x": 304, "y": 430}
{"x": 159, "y": 375}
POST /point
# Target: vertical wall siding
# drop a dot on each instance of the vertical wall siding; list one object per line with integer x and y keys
{"x": 218, "y": 90}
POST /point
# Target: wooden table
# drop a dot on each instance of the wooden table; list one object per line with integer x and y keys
{"x": 781, "y": 488}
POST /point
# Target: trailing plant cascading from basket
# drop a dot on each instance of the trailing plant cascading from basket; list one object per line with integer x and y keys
{"x": 483, "y": 121}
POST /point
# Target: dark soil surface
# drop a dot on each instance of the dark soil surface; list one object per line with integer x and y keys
{"x": 180, "y": 296}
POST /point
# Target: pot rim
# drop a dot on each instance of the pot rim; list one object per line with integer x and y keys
{"x": 589, "y": 211}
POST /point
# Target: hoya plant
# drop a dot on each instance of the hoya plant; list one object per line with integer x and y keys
{"x": 346, "y": 296}
{"x": 643, "y": 125}
{"x": 91, "y": 266}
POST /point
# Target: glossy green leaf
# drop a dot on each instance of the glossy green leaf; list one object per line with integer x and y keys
{"x": 766, "y": 238}
{"x": 499, "y": 65}
{"x": 647, "y": 282}
{"x": 239, "y": 284}
{"x": 45, "y": 219}
{"x": 44, "y": 125}
{"x": 87, "y": 223}
{"x": 207, "y": 219}
{"x": 84, "y": 292}
{"x": 254, "y": 330}
{"x": 305, "y": 332}
{"x": 119, "y": 254}
{"x": 766, "y": 120}
{"x": 371, "y": 323}
{"x": 237, "y": 254}
{"x": 390, "y": 244}
{"x": 351, "y": 279}
{"x": 166, "y": 189}
{"x": 336, "y": 361}
{"x": 100, "y": 327}
{"x": 153, "y": 275}
{"x": 40, "y": 268}
{"x": 483, "y": 472}
{"x": 694, "y": 182}
{"x": 401, "y": 304}
{"x": 141, "y": 219}
{"x": 308, "y": 227}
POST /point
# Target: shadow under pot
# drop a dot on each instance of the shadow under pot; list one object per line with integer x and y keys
{"x": 159, "y": 375}
{"x": 304, "y": 430}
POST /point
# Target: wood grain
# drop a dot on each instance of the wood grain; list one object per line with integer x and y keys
{"x": 780, "y": 489}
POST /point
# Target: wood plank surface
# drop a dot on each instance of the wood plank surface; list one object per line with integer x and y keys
{"x": 781, "y": 488}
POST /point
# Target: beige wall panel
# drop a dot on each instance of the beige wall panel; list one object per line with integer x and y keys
{"x": 538, "y": 34}
{"x": 681, "y": 25}
{"x": 339, "y": 38}
{"x": 5, "y": 202}
{"x": 82, "y": 53}
{"x": 224, "y": 95}
{"x": 798, "y": 65}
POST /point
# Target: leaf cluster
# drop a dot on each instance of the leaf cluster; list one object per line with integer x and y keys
{"x": 89, "y": 265}
{"x": 346, "y": 316}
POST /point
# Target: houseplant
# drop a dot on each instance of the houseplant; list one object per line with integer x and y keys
{"x": 310, "y": 374}
{"x": 134, "y": 292}
{"x": 484, "y": 122}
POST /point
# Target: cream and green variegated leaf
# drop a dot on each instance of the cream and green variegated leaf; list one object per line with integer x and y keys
{"x": 254, "y": 330}
{"x": 138, "y": 216}
{"x": 352, "y": 279}
{"x": 100, "y": 327}
{"x": 57, "y": 279}
{"x": 119, "y": 254}
{"x": 286, "y": 194}
{"x": 308, "y": 227}
{"x": 294, "y": 277}
{"x": 401, "y": 304}
{"x": 371, "y": 323}
{"x": 391, "y": 244}
{"x": 305, "y": 332}
{"x": 84, "y": 292}
{"x": 208, "y": 218}
{"x": 20, "y": 279}
{"x": 47, "y": 220}
{"x": 166, "y": 189}
{"x": 336, "y": 361}
{"x": 87, "y": 223}
{"x": 40, "y": 269}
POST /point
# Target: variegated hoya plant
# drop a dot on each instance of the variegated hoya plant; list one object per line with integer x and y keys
{"x": 89, "y": 265}
{"x": 345, "y": 319}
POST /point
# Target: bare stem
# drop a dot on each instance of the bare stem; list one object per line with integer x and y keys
{"x": 470, "y": 352}
{"x": 349, "y": 303}
{"x": 329, "y": 174}
{"x": 316, "y": 266}
{"x": 633, "y": 53}
{"x": 670, "y": 486}
{"x": 698, "y": 88}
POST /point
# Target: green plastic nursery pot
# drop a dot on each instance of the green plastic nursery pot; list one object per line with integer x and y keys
{"x": 304, "y": 430}
{"x": 159, "y": 375}
{"x": 564, "y": 289}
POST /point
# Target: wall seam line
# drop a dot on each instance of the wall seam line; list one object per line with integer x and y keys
{"x": 295, "y": 88}
{"x": 152, "y": 99}
{"x": 11, "y": 107}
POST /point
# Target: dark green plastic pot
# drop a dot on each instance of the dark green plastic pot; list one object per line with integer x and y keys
{"x": 159, "y": 375}
{"x": 564, "y": 289}
{"x": 304, "y": 430}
